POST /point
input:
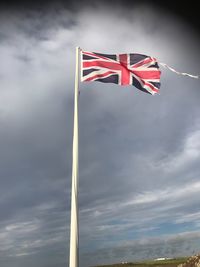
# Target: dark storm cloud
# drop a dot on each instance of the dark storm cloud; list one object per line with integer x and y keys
{"x": 138, "y": 154}
{"x": 185, "y": 12}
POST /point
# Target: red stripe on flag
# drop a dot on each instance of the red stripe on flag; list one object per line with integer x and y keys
{"x": 141, "y": 63}
{"x": 125, "y": 73}
{"x": 151, "y": 86}
{"x": 102, "y": 64}
{"x": 97, "y": 56}
{"x": 99, "y": 76}
{"x": 147, "y": 74}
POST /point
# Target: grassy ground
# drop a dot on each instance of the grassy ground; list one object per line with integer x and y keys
{"x": 163, "y": 263}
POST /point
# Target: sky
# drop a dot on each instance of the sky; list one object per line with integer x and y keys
{"x": 139, "y": 187}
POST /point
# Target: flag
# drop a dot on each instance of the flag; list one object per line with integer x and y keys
{"x": 124, "y": 69}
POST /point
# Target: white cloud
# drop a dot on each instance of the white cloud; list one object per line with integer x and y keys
{"x": 188, "y": 154}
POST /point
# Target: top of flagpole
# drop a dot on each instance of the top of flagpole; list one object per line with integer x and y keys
{"x": 78, "y": 66}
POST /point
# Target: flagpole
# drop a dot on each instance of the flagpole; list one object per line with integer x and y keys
{"x": 74, "y": 230}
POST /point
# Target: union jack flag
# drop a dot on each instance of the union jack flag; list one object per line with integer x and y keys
{"x": 124, "y": 69}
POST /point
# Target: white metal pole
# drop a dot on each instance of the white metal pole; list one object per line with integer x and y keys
{"x": 74, "y": 230}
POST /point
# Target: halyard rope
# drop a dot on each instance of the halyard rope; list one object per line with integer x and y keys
{"x": 179, "y": 73}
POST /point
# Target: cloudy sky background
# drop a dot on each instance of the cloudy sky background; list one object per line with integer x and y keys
{"x": 139, "y": 154}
